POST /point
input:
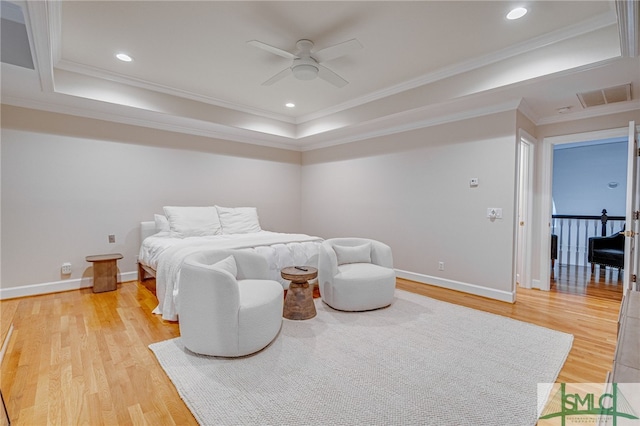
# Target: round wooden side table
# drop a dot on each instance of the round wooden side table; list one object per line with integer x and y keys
{"x": 298, "y": 304}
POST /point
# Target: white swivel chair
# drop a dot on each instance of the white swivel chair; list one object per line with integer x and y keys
{"x": 226, "y": 306}
{"x": 356, "y": 274}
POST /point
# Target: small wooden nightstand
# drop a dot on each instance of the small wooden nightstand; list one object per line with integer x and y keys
{"x": 105, "y": 271}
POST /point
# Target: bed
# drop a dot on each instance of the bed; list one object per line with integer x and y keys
{"x": 182, "y": 231}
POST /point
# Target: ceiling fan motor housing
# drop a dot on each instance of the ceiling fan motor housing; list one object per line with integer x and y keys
{"x": 304, "y": 68}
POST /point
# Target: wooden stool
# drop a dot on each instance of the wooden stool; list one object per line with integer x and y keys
{"x": 298, "y": 304}
{"x": 105, "y": 271}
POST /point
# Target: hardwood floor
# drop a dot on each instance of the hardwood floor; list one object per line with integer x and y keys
{"x": 603, "y": 282}
{"x": 591, "y": 320}
{"x": 79, "y": 357}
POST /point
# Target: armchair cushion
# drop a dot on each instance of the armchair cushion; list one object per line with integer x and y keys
{"x": 353, "y": 254}
{"x": 363, "y": 286}
{"x": 607, "y": 250}
{"x": 227, "y": 264}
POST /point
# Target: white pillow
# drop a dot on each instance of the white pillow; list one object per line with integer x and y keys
{"x": 192, "y": 221}
{"x": 162, "y": 224}
{"x": 227, "y": 264}
{"x": 353, "y": 254}
{"x": 239, "y": 220}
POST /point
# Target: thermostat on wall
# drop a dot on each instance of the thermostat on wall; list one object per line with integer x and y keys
{"x": 473, "y": 182}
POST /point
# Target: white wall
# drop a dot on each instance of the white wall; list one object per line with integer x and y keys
{"x": 411, "y": 190}
{"x": 68, "y": 182}
{"x": 63, "y": 195}
{"x": 581, "y": 175}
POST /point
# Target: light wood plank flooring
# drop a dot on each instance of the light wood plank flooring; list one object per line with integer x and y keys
{"x": 603, "y": 282}
{"x": 79, "y": 357}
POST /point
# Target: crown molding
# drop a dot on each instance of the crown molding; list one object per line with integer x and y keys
{"x": 385, "y": 128}
{"x": 74, "y": 67}
{"x": 592, "y": 112}
{"x": 150, "y": 119}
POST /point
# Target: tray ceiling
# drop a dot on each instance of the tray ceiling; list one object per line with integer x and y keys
{"x": 192, "y": 64}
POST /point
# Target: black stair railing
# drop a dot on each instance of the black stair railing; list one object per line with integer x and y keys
{"x": 574, "y": 231}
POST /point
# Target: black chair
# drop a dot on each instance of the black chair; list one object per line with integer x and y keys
{"x": 607, "y": 251}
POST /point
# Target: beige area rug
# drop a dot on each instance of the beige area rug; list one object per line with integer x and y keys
{"x": 418, "y": 362}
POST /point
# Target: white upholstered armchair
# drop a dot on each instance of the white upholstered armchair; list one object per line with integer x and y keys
{"x": 226, "y": 305}
{"x": 356, "y": 274}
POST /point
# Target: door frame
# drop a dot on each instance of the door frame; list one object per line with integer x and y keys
{"x": 544, "y": 212}
{"x": 631, "y": 222}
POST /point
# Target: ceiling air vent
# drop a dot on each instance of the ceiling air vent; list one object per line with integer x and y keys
{"x": 605, "y": 96}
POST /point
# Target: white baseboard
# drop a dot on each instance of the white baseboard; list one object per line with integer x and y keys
{"x": 504, "y": 296}
{"x": 535, "y": 284}
{"x": 57, "y": 286}
{"x": 76, "y": 284}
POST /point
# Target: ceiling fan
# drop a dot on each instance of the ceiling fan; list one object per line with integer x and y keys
{"x": 307, "y": 64}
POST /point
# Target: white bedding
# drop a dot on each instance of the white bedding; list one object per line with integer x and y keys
{"x": 165, "y": 254}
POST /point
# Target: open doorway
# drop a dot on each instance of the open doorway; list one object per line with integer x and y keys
{"x": 545, "y": 206}
{"x": 589, "y": 200}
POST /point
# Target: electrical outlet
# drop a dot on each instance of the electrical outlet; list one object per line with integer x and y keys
{"x": 112, "y": 238}
{"x": 440, "y": 266}
{"x": 66, "y": 268}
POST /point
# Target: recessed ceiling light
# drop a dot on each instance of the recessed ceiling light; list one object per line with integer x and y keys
{"x": 290, "y": 105}
{"x": 517, "y": 13}
{"x": 124, "y": 57}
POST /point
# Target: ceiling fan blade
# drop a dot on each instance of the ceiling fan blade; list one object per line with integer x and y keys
{"x": 331, "y": 77}
{"x": 337, "y": 50}
{"x": 282, "y": 74}
{"x": 269, "y": 48}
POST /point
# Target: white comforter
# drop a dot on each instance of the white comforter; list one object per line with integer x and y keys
{"x": 166, "y": 254}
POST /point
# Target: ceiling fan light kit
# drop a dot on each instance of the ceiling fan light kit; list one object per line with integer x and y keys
{"x": 304, "y": 71}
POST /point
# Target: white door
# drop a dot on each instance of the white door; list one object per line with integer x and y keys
{"x": 631, "y": 225}
{"x": 523, "y": 235}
